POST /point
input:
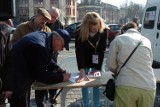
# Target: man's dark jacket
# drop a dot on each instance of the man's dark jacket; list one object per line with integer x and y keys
{"x": 5, "y": 46}
{"x": 55, "y": 26}
{"x": 31, "y": 56}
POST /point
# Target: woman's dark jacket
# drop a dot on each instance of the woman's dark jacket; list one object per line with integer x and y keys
{"x": 31, "y": 56}
{"x": 84, "y": 50}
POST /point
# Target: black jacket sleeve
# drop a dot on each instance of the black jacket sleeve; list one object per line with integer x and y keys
{"x": 53, "y": 67}
{"x": 80, "y": 52}
{"x": 38, "y": 58}
{"x": 7, "y": 74}
{"x": 101, "y": 49}
{"x": 5, "y": 62}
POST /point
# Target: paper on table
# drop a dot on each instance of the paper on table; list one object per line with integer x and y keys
{"x": 93, "y": 74}
{"x": 73, "y": 77}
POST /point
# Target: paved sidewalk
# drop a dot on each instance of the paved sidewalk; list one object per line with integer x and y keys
{"x": 74, "y": 99}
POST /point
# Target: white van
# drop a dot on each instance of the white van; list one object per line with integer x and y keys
{"x": 151, "y": 26}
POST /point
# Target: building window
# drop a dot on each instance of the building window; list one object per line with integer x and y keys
{"x": 26, "y": 1}
{"x": 23, "y": 1}
{"x": 73, "y": 2}
{"x": 38, "y": 1}
{"x": 66, "y": 2}
{"x": 69, "y": 2}
{"x": 35, "y": 10}
{"x": 67, "y": 11}
{"x": 73, "y": 12}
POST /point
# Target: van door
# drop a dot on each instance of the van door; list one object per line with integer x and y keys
{"x": 151, "y": 28}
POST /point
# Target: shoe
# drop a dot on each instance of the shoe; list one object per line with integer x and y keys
{"x": 53, "y": 102}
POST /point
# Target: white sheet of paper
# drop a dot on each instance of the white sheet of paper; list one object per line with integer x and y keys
{"x": 73, "y": 77}
{"x": 97, "y": 74}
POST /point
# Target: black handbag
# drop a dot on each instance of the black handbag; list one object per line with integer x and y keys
{"x": 110, "y": 87}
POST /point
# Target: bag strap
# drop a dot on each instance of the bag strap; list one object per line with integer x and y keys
{"x": 128, "y": 58}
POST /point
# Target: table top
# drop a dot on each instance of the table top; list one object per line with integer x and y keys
{"x": 98, "y": 81}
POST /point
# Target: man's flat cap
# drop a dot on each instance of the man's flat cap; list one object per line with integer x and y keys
{"x": 44, "y": 12}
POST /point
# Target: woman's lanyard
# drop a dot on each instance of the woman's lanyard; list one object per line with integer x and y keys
{"x": 95, "y": 47}
{"x": 95, "y": 57}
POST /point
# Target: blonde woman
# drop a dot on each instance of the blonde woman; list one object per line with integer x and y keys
{"x": 90, "y": 47}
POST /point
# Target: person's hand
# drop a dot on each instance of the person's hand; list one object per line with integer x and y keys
{"x": 82, "y": 77}
{"x": 66, "y": 77}
{"x": 6, "y": 94}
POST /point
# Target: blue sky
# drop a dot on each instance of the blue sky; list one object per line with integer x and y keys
{"x": 119, "y": 2}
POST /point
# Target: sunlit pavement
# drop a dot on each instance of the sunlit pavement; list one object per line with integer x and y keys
{"x": 73, "y": 99}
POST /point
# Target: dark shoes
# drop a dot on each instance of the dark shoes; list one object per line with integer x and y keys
{"x": 53, "y": 102}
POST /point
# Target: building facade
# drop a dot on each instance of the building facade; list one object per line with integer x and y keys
{"x": 108, "y": 12}
{"x": 88, "y": 6}
{"x": 25, "y": 9}
{"x": 70, "y": 11}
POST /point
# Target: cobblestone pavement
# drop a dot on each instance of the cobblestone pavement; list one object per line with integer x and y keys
{"x": 74, "y": 99}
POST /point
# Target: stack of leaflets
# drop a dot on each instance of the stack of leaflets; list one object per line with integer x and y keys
{"x": 94, "y": 74}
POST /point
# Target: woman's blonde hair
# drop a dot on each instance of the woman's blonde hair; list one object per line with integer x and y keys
{"x": 91, "y": 18}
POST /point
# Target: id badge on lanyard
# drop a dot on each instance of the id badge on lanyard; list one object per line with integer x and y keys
{"x": 95, "y": 59}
